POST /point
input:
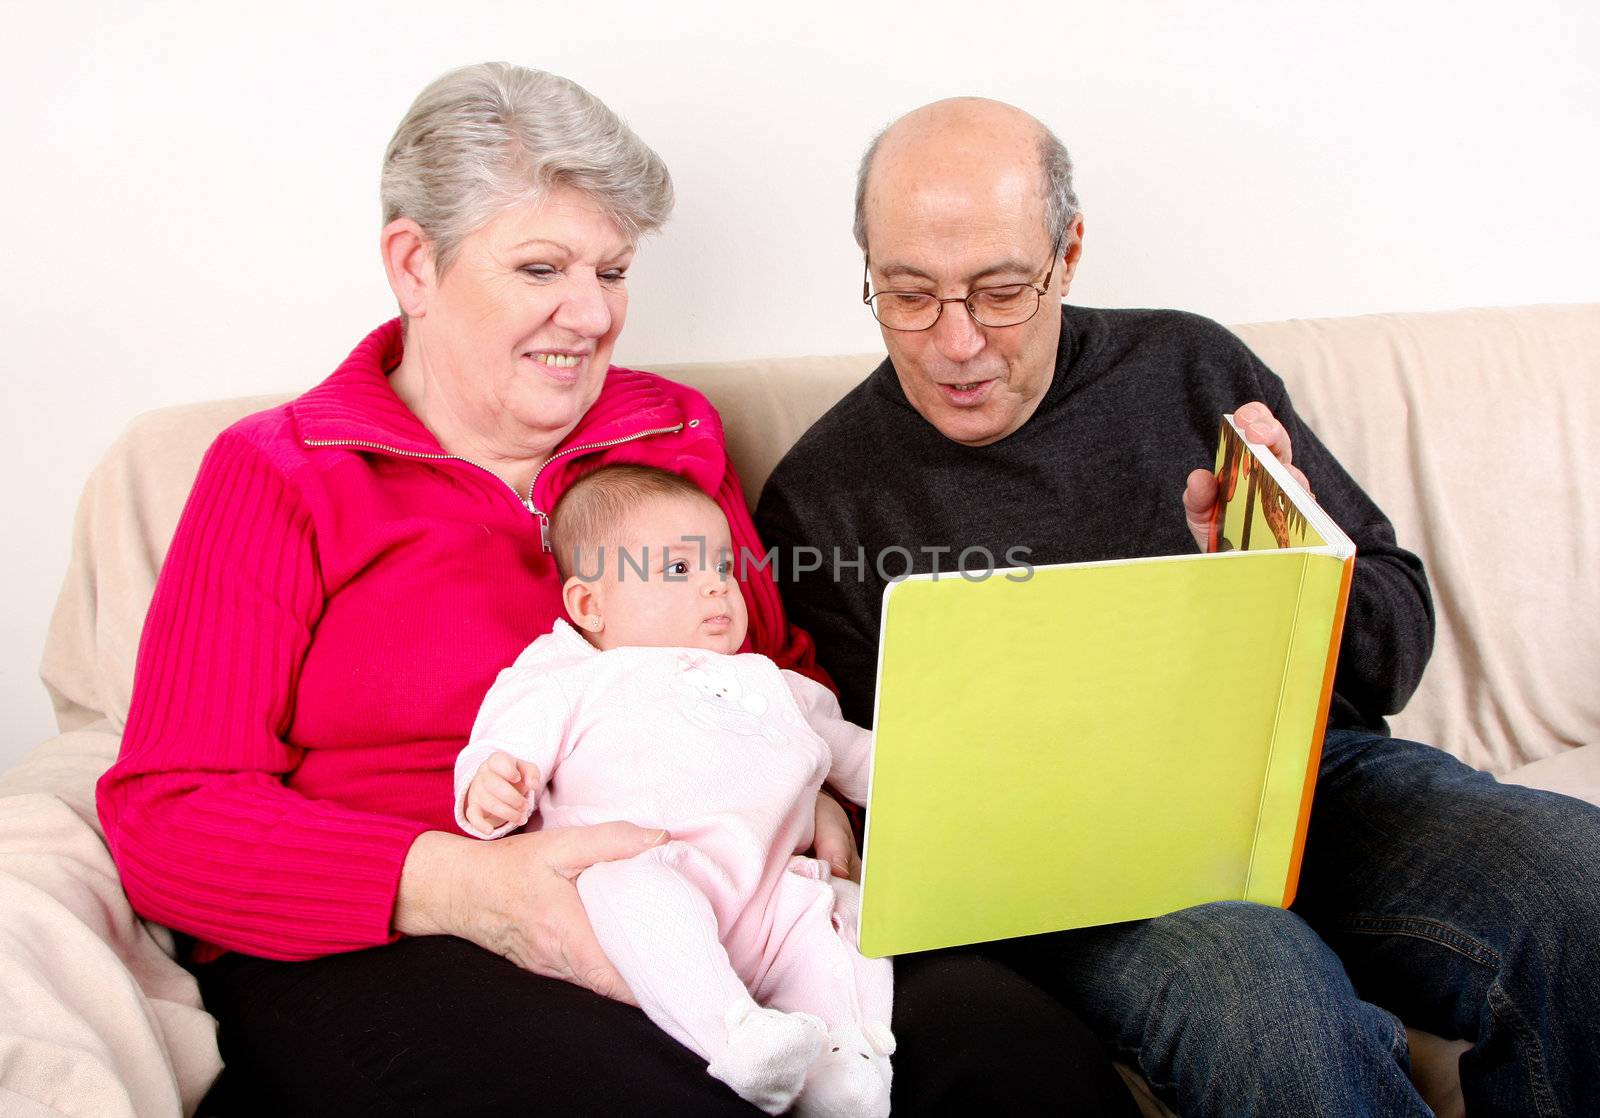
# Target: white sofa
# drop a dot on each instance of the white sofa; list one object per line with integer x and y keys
{"x": 1475, "y": 431}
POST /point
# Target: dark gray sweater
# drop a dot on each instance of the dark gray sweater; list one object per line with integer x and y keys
{"x": 1096, "y": 473}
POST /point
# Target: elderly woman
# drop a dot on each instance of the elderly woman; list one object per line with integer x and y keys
{"x": 351, "y": 571}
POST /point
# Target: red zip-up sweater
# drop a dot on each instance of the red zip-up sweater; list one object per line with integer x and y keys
{"x": 337, "y": 599}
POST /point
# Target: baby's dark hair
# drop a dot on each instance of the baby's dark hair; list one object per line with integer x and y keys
{"x": 593, "y": 511}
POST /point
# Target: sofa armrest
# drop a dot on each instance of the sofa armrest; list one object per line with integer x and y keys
{"x": 100, "y": 1021}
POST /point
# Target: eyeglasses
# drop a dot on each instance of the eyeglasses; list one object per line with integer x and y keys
{"x": 911, "y": 311}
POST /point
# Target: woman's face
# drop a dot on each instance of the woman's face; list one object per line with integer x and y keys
{"x": 517, "y": 335}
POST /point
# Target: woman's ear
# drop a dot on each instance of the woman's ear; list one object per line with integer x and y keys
{"x": 408, "y": 261}
{"x": 582, "y": 599}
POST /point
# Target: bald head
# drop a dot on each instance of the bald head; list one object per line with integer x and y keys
{"x": 960, "y": 144}
{"x": 969, "y": 203}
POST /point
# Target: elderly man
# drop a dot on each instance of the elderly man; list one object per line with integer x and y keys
{"x": 1002, "y": 419}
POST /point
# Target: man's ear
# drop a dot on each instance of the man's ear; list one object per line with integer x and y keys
{"x": 582, "y": 599}
{"x": 1070, "y": 255}
{"x": 408, "y": 261}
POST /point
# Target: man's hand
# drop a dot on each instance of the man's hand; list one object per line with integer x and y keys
{"x": 1200, "y": 494}
{"x": 501, "y": 792}
{"x": 516, "y": 896}
{"x": 835, "y": 842}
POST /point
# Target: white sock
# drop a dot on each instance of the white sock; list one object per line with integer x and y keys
{"x": 851, "y": 1076}
{"x": 768, "y": 1055}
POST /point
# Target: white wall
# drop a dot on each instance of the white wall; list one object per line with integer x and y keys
{"x": 189, "y": 194}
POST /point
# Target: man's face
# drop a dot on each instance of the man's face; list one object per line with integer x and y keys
{"x": 949, "y": 229}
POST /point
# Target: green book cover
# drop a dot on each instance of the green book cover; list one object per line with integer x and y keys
{"x": 1108, "y": 741}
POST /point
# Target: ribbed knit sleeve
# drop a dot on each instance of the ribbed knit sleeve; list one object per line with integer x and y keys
{"x": 206, "y": 835}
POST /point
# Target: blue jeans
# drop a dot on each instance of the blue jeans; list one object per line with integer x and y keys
{"x": 1430, "y": 893}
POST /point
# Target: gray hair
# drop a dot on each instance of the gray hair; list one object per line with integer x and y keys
{"x": 1060, "y": 200}
{"x": 484, "y": 138}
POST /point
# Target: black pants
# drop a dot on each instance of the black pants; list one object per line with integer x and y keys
{"x": 436, "y": 1026}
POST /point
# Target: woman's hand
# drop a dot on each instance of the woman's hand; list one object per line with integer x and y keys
{"x": 835, "y": 842}
{"x": 516, "y": 896}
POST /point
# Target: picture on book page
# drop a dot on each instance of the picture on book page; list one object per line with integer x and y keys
{"x": 1253, "y": 512}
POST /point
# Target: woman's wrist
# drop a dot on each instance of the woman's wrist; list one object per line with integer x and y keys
{"x": 428, "y": 901}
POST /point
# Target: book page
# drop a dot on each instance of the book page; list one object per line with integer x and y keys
{"x": 1253, "y": 512}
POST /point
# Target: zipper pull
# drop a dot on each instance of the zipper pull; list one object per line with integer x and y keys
{"x": 544, "y": 526}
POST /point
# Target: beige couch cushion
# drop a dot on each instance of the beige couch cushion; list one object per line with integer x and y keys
{"x": 125, "y": 520}
{"x": 1476, "y": 431}
{"x": 767, "y": 404}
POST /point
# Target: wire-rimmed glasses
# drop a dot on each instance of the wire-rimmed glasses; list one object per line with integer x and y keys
{"x": 1011, "y": 304}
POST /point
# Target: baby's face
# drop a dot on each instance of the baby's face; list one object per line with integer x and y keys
{"x": 688, "y": 596}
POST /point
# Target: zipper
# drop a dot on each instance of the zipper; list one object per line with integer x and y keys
{"x": 526, "y": 502}
{"x": 544, "y": 519}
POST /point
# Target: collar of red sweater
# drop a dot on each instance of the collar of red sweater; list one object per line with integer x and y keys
{"x": 638, "y": 417}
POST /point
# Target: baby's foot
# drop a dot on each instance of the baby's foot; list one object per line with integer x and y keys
{"x": 768, "y": 1055}
{"x": 852, "y": 1075}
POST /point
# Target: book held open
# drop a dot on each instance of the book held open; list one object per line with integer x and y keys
{"x": 1099, "y": 742}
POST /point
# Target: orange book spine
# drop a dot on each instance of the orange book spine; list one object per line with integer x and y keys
{"x": 1314, "y": 758}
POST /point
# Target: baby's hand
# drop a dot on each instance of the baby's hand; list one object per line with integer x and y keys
{"x": 501, "y": 792}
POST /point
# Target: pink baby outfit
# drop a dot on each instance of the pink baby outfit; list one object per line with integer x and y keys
{"x": 726, "y": 753}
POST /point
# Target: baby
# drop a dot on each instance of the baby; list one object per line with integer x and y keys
{"x": 735, "y": 944}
